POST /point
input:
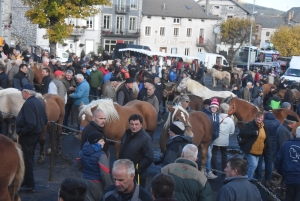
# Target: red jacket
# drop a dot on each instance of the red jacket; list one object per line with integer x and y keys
{"x": 104, "y": 72}
{"x": 256, "y": 77}
{"x": 125, "y": 73}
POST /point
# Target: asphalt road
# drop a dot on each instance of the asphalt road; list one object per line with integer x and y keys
{"x": 64, "y": 167}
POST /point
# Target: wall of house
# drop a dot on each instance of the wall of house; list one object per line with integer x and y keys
{"x": 182, "y": 44}
{"x": 6, "y": 20}
{"x": 266, "y": 35}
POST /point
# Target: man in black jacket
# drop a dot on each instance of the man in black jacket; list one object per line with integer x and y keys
{"x": 288, "y": 96}
{"x": 29, "y": 124}
{"x": 46, "y": 80}
{"x": 137, "y": 146}
{"x": 20, "y": 80}
{"x": 3, "y": 78}
{"x": 124, "y": 94}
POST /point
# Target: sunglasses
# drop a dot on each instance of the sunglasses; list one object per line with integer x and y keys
{"x": 187, "y": 101}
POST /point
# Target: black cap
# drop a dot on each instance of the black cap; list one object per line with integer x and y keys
{"x": 113, "y": 79}
{"x": 207, "y": 102}
{"x": 28, "y": 86}
{"x": 149, "y": 80}
{"x": 268, "y": 108}
{"x": 94, "y": 137}
{"x": 130, "y": 80}
{"x": 292, "y": 118}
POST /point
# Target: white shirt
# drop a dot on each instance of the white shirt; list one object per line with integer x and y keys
{"x": 52, "y": 89}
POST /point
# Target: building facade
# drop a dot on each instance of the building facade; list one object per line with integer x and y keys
{"x": 177, "y": 27}
{"x": 120, "y": 23}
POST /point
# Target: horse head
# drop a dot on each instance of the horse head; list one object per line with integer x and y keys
{"x": 182, "y": 85}
{"x": 177, "y": 113}
{"x": 230, "y": 101}
{"x": 170, "y": 88}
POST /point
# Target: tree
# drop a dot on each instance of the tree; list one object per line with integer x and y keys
{"x": 286, "y": 40}
{"x": 233, "y": 31}
{"x": 51, "y": 14}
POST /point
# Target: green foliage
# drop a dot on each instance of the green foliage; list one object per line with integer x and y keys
{"x": 287, "y": 40}
{"x": 233, "y": 31}
{"x": 100, "y": 49}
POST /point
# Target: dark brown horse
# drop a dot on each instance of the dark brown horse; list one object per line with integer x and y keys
{"x": 267, "y": 87}
{"x": 117, "y": 117}
{"x": 55, "y": 110}
{"x": 245, "y": 111}
{"x": 296, "y": 93}
{"x": 196, "y": 123}
{"x": 11, "y": 169}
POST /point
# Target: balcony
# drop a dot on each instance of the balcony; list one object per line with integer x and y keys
{"x": 126, "y": 33}
{"x": 120, "y": 9}
{"x": 78, "y": 32}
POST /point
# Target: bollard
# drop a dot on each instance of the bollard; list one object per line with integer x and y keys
{"x": 52, "y": 140}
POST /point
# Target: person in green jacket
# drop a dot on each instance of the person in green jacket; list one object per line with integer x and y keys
{"x": 96, "y": 80}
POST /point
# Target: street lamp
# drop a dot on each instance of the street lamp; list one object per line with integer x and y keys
{"x": 250, "y": 39}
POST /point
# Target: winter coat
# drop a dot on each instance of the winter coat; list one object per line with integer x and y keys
{"x": 215, "y": 120}
{"x": 237, "y": 93}
{"x": 249, "y": 133}
{"x": 153, "y": 101}
{"x": 81, "y": 93}
{"x": 255, "y": 90}
{"x": 92, "y": 126}
{"x": 138, "y": 147}
{"x": 283, "y": 134}
{"x": 19, "y": 80}
{"x": 258, "y": 101}
{"x": 190, "y": 183}
{"x": 58, "y": 88}
{"x": 236, "y": 81}
{"x": 246, "y": 95}
{"x": 287, "y": 162}
{"x": 226, "y": 129}
{"x": 288, "y": 97}
{"x": 274, "y": 102}
{"x": 109, "y": 92}
{"x": 271, "y": 124}
{"x": 96, "y": 79}
{"x": 3, "y": 80}
{"x": 68, "y": 84}
{"x": 103, "y": 71}
{"x": 45, "y": 84}
{"x": 160, "y": 90}
{"x": 238, "y": 188}
{"x": 174, "y": 148}
{"x": 124, "y": 95}
{"x": 173, "y": 76}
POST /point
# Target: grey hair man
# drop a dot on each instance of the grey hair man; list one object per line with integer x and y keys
{"x": 246, "y": 95}
{"x": 191, "y": 184}
{"x": 237, "y": 184}
{"x": 125, "y": 188}
{"x": 284, "y": 132}
{"x": 151, "y": 97}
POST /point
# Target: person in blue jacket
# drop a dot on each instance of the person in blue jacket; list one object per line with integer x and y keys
{"x": 81, "y": 94}
{"x": 173, "y": 75}
{"x": 287, "y": 164}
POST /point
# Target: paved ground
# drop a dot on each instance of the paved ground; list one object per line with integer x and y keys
{"x": 64, "y": 167}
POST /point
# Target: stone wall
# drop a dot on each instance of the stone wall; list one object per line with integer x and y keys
{"x": 22, "y": 29}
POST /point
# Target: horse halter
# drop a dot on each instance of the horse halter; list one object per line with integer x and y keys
{"x": 232, "y": 111}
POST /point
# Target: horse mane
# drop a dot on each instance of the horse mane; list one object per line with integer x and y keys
{"x": 228, "y": 99}
{"x": 171, "y": 117}
{"x": 8, "y": 91}
{"x": 106, "y": 105}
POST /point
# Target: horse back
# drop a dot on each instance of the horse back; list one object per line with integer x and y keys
{"x": 281, "y": 114}
{"x": 55, "y": 107}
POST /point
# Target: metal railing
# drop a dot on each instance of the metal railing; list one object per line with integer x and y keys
{"x": 78, "y": 31}
{"x": 121, "y": 9}
{"x": 120, "y": 32}
{"x": 206, "y": 43}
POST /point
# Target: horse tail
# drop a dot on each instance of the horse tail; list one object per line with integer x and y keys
{"x": 16, "y": 183}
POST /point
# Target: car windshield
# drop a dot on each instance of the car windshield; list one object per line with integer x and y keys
{"x": 292, "y": 72}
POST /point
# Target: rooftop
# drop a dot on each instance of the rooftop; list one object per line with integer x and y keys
{"x": 270, "y": 21}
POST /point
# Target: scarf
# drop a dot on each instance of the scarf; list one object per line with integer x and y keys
{"x": 96, "y": 146}
{"x": 260, "y": 125}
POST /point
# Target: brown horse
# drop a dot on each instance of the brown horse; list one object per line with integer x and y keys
{"x": 11, "y": 169}
{"x": 267, "y": 87}
{"x": 37, "y": 71}
{"x": 197, "y": 124}
{"x": 245, "y": 111}
{"x": 296, "y": 93}
{"x": 55, "y": 110}
{"x": 117, "y": 117}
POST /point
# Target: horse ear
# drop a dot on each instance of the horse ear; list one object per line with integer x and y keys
{"x": 171, "y": 109}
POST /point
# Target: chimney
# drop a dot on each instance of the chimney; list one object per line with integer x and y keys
{"x": 206, "y": 7}
{"x": 164, "y": 6}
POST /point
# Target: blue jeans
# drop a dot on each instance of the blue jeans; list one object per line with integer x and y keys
{"x": 208, "y": 158}
{"x": 68, "y": 109}
{"x": 268, "y": 167}
{"x": 252, "y": 164}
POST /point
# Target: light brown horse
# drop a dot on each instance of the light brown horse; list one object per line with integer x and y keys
{"x": 245, "y": 111}
{"x": 197, "y": 125}
{"x": 117, "y": 117}
{"x": 55, "y": 110}
{"x": 267, "y": 87}
{"x": 11, "y": 169}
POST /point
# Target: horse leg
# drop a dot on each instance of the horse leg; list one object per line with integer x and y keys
{"x": 164, "y": 105}
{"x": 59, "y": 135}
{"x": 8, "y": 126}
{"x": 117, "y": 148}
{"x": 214, "y": 82}
{"x": 41, "y": 158}
{"x": 4, "y": 194}
{"x": 204, "y": 149}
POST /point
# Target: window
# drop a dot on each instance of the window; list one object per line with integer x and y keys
{"x": 187, "y": 51}
{"x": 201, "y": 33}
{"x": 163, "y": 18}
{"x": 72, "y": 21}
{"x": 199, "y": 50}
{"x": 149, "y": 17}
{"x": 132, "y": 24}
{"x": 202, "y": 20}
{"x": 176, "y": 32}
{"x": 229, "y": 16}
{"x": 176, "y": 20}
{"x": 216, "y": 7}
{"x": 120, "y": 24}
{"x": 89, "y": 22}
{"x": 173, "y": 50}
{"x": 147, "y": 31}
{"x": 230, "y": 8}
{"x": 189, "y": 20}
{"x": 106, "y": 21}
{"x": 162, "y": 31}
{"x": 267, "y": 33}
{"x": 188, "y": 32}
{"x": 133, "y": 4}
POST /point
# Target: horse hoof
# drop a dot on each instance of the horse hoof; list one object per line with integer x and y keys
{"x": 48, "y": 152}
{"x": 40, "y": 160}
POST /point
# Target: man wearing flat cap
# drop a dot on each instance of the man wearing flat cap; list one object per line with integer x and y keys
{"x": 124, "y": 94}
{"x": 29, "y": 124}
{"x": 110, "y": 89}
{"x": 284, "y": 132}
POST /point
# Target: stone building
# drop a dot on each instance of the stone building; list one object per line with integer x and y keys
{"x": 6, "y": 20}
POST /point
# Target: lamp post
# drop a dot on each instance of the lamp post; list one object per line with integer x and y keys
{"x": 250, "y": 39}
{"x": 1, "y": 17}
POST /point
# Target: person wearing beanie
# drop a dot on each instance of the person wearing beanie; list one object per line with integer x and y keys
{"x": 175, "y": 144}
{"x": 286, "y": 105}
{"x": 95, "y": 166}
{"x": 206, "y": 104}
{"x": 125, "y": 94}
{"x": 212, "y": 113}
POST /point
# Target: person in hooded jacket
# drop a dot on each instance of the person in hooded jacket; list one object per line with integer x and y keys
{"x": 236, "y": 91}
{"x": 226, "y": 129}
{"x": 95, "y": 166}
{"x": 212, "y": 113}
{"x": 275, "y": 100}
{"x": 288, "y": 96}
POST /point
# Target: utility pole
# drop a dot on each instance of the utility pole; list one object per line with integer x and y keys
{"x": 1, "y": 18}
{"x": 250, "y": 39}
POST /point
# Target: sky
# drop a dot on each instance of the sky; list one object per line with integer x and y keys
{"x": 282, "y": 5}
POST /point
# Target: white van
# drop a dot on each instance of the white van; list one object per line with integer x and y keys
{"x": 293, "y": 72}
{"x": 62, "y": 56}
{"x": 210, "y": 59}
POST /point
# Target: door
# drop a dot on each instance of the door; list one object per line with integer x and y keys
{"x": 163, "y": 49}
{"x": 120, "y": 24}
